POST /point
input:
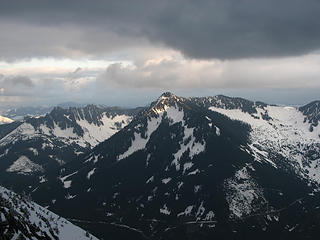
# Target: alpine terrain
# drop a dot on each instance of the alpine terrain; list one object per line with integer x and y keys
{"x": 32, "y": 150}
{"x": 168, "y": 167}
{"x": 21, "y": 218}
{"x": 192, "y": 168}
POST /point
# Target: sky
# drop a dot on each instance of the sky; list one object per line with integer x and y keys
{"x": 127, "y": 52}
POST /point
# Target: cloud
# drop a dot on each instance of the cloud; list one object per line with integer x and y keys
{"x": 207, "y": 29}
{"x": 17, "y": 80}
{"x": 176, "y": 72}
{"x": 24, "y": 41}
{"x": 275, "y": 80}
{"x": 78, "y": 69}
{"x": 14, "y": 84}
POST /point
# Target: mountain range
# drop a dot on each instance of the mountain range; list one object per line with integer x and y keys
{"x": 181, "y": 168}
{"x": 18, "y": 113}
{"x": 33, "y": 148}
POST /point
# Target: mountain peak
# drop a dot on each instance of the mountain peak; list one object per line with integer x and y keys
{"x": 165, "y": 100}
{"x": 167, "y": 95}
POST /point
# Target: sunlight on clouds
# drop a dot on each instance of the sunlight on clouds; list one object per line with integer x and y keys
{"x": 176, "y": 71}
{"x": 52, "y": 65}
{"x": 89, "y": 80}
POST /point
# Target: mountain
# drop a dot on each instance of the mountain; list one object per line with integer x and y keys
{"x": 4, "y": 120}
{"x": 21, "y": 218}
{"x": 311, "y": 112}
{"x": 278, "y": 134}
{"x": 32, "y": 150}
{"x": 182, "y": 168}
{"x": 199, "y": 168}
{"x": 21, "y": 112}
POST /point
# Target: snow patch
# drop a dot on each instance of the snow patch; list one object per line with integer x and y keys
{"x": 243, "y": 194}
{"x": 166, "y": 180}
{"x": 24, "y": 165}
{"x": 34, "y": 151}
{"x": 94, "y": 134}
{"x": 24, "y": 132}
{"x": 67, "y": 184}
{"x": 188, "y": 142}
{"x": 151, "y": 179}
{"x": 90, "y": 173}
{"x": 165, "y": 210}
{"x": 194, "y": 172}
{"x": 138, "y": 142}
{"x": 284, "y": 132}
{"x": 187, "y": 166}
{"x": 188, "y": 210}
{"x": 209, "y": 216}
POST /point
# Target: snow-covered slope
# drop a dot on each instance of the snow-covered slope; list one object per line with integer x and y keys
{"x": 4, "y": 120}
{"x": 35, "y": 148}
{"x": 24, "y": 165}
{"x": 21, "y": 218}
{"x": 281, "y": 134}
{"x": 94, "y": 134}
{"x": 83, "y": 126}
{"x": 165, "y": 109}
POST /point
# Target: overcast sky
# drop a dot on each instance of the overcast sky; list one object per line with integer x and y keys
{"x": 127, "y": 52}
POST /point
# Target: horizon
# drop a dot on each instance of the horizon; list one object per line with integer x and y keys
{"x": 143, "y": 104}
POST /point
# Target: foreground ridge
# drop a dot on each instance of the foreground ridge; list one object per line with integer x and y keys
{"x": 24, "y": 219}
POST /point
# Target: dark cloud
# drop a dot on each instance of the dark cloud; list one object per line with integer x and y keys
{"x": 200, "y": 29}
{"x": 24, "y": 40}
